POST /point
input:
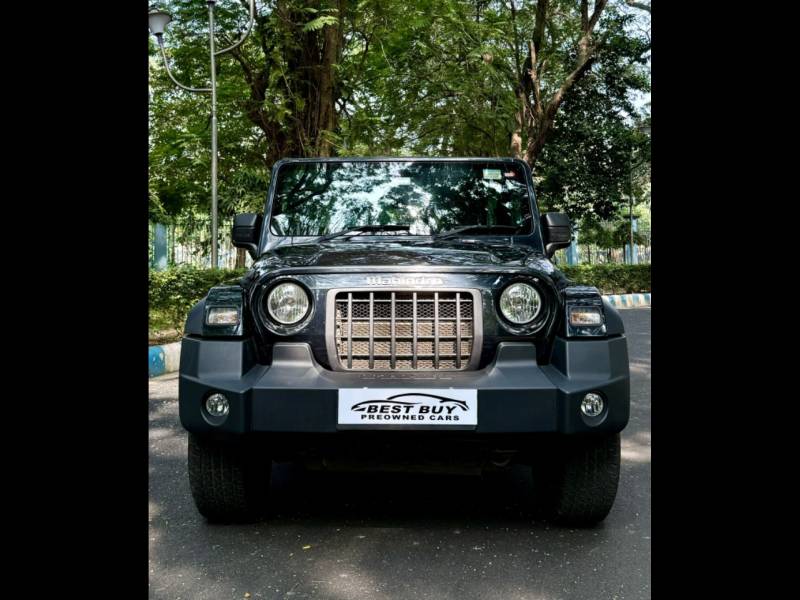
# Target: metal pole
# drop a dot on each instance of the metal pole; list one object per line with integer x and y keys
{"x": 630, "y": 210}
{"x": 213, "y": 90}
{"x": 214, "y": 207}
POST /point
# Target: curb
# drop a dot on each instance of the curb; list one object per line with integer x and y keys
{"x": 628, "y": 300}
{"x": 166, "y": 358}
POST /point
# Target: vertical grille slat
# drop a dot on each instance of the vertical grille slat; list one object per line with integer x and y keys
{"x": 405, "y": 330}
{"x": 350, "y": 330}
{"x": 414, "y": 330}
{"x": 371, "y": 330}
{"x": 436, "y": 330}
{"x": 393, "y": 359}
{"x": 458, "y": 330}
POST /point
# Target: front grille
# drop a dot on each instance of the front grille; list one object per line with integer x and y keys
{"x": 404, "y": 331}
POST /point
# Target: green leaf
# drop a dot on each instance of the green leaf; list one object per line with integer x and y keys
{"x": 320, "y": 22}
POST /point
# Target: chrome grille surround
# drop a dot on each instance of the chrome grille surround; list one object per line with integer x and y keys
{"x": 403, "y": 329}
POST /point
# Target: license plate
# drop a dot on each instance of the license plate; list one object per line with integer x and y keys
{"x": 403, "y": 407}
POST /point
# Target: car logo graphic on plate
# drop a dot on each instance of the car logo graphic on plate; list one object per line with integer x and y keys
{"x": 362, "y": 406}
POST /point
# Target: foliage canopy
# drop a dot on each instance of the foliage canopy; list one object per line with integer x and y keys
{"x": 391, "y": 77}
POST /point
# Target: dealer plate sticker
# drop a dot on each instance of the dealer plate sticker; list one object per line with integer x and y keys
{"x": 370, "y": 406}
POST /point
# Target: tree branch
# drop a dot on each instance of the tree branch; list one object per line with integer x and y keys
{"x": 639, "y": 5}
{"x": 599, "y": 5}
{"x": 585, "y": 56}
{"x": 516, "y": 38}
{"x": 541, "y": 19}
{"x": 534, "y": 78}
{"x": 584, "y": 15}
{"x": 558, "y": 97}
{"x": 544, "y": 117}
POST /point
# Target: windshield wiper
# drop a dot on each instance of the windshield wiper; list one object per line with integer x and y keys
{"x": 363, "y": 229}
{"x": 475, "y": 229}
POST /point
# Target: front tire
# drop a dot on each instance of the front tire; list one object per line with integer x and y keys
{"x": 229, "y": 480}
{"x": 580, "y": 487}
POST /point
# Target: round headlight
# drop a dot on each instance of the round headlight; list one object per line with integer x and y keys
{"x": 520, "y": 303}
{"x": 287, "y": 303}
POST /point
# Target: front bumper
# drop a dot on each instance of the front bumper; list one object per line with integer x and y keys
{"x": 296, "y": 394}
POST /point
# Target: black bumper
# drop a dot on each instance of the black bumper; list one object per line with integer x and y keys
{"x": 295, "y": 394}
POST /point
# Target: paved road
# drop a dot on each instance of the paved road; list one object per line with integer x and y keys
{"x": 401, "y": 535}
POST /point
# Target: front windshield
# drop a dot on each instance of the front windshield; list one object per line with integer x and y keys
{"x": 321, "y": 198}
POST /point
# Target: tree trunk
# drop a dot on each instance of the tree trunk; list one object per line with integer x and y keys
{"x": 308, "y": 80}
{"x": 326, "y": 117}
{"x": 241, "y": 257}
{"x": 536, "y": 112}
{"x": 516, "y": 136}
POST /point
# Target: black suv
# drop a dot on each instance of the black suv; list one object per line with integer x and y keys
{"x": 404, "y": 311}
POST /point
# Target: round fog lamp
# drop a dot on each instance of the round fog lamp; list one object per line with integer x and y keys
{"x": 592, "y": 404}
{"x": 217, "y": 405}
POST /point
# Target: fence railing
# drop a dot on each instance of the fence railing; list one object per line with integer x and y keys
{"x": 594, "y": 255}
{"x": 175, "y": 245}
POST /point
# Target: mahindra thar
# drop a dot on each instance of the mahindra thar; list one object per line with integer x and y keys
{"x": 404, "y": 312}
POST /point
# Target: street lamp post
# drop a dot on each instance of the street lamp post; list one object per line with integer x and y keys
{"x": 630, "y": 210}
{"x": 645, "y": 129}
{"x": 158, "y": 23}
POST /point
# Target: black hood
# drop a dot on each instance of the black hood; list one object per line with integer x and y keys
{"x": 443, "y": 253}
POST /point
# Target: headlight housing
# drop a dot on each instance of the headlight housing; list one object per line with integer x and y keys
{"x": 520, "y": 303}
{"x": 585, "y": 316}
{"x": 224, "y": 315}
{"x": 288, "y": 303}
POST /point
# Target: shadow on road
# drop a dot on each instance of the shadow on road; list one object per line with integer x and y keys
{"x": 337, "y": 535}
{"x": 398, "y": 535}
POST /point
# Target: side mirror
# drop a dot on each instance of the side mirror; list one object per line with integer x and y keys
{"x": 557, "y": 232}
{"x": 247, "y": 231}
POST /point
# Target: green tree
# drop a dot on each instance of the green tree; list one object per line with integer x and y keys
{"x": 385, "y": 77}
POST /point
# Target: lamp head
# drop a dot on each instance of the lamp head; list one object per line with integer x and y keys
{"x": 158, "y": 22}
